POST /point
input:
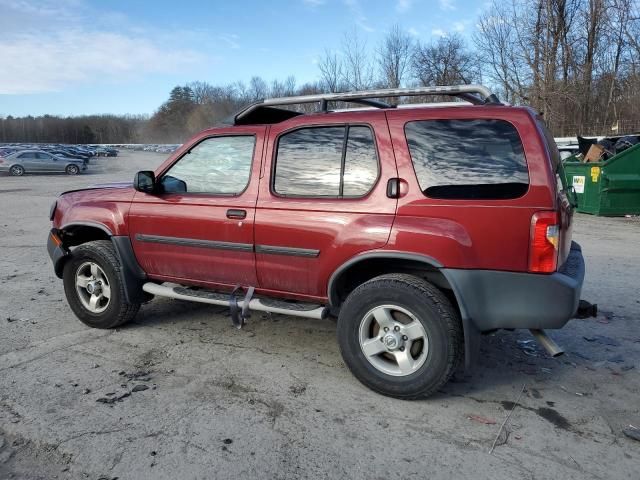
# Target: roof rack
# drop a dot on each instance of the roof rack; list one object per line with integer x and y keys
{"x": 264, "y": 111}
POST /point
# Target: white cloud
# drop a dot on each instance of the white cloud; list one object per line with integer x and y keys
{"x": 358, "y": 14}
{"x": 447, "y": 4}
{"x": 231, "y": 40}
{"x": 459, "y": 26}
{"x": 54, "y": 45}
{"x": 53, "y": 62}
{"x": 413, "y": 31}
{"x": 403, "y": 5}
{"x": 438, "y": 32}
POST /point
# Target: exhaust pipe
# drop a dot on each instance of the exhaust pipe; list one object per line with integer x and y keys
{"x": 547, "y": 342}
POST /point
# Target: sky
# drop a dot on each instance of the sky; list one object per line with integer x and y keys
{"x": 74, "y": 57}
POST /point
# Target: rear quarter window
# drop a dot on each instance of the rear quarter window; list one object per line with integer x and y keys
{"x": 468, "y": 159}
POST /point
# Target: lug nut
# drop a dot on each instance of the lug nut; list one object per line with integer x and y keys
{"x": 396, "y": 328}
{"x": 386, "y": 329}
{"x": 402, "y": 349}
{"x": 405, "y": 338}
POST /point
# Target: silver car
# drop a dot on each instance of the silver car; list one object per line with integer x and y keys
{"x": 32, "y": 161}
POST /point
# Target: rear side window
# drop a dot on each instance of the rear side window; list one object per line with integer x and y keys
{"x": 338, "y": 162}
{"x": 468, "y": 159}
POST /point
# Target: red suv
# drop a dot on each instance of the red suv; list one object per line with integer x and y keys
{"x": 419, "y": 226}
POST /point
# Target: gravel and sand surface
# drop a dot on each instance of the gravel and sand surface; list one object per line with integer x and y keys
{"x": 179, "y": 393}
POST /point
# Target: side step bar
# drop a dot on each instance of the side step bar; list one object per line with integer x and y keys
{"x": 179, "y": 292}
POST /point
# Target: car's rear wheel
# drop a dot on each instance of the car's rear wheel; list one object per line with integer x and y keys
{"x": 72, "y": 170}
{"x": 16, "y": 170}
{"x": 400, "y": 336}
{"x": 93, "y": 286}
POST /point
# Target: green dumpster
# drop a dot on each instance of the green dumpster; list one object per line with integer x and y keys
{"x": 608, "y": 188}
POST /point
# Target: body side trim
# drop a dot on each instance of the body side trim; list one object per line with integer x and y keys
{"x": 194, "y": 242}
{"x": 291, "y": 251}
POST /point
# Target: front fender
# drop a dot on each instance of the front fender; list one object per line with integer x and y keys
{"x": 105, "y": 209}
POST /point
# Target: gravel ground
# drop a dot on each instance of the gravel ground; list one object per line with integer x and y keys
{"x": 193, "y": 398}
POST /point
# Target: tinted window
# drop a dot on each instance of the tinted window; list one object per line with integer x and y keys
{"x": 218, "y": 165}
{"x": 468, "y": 159}
{"x": 361, "y": 162}
{"x": 317, "y": 162}
{"x": 43, "y": 156}
{"x": 27, "y": 155}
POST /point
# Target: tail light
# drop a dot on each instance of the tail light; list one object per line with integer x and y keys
{"x": 545, "y": 239}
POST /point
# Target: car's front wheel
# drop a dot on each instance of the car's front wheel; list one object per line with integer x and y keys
{"x": 400, "y": 336}
{"x": 93, "y": 286}
{"x": 72, "y": 170}
{"x": 16, "y": 170}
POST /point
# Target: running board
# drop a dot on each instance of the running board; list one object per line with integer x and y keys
{"x": 179, "y": 292}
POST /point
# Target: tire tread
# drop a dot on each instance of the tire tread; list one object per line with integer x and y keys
{"x": 104, "y": 248}
{"x": 447, "y": 312}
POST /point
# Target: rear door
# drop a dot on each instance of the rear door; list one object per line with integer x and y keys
{"x": 322, "y": 199}
{"x": 29, "y": 162}
{"x": 200, "y": 228}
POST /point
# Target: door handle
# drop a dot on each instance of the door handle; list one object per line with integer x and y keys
{"x": 236, "y": 214}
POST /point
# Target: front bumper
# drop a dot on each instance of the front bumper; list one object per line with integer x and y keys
{"x": 57, "y": 252}
{"x": 494, "y": 299}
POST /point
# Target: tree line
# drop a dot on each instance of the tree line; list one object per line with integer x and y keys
{"x": 575, "y": 61}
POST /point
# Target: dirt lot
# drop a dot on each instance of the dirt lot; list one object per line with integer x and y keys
{"x": 276, "y": 401}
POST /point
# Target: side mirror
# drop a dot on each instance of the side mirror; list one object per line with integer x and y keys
{"x": 145, "y": 181}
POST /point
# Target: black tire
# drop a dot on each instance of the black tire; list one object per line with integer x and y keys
{"x": 16, "y": 170}
{"x": 118, "y": 311}
{"x": 439, "y": 319}
{"x": 72, "y": 169}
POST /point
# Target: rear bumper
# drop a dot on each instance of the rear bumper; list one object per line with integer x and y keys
{"x": 494, "y": 299}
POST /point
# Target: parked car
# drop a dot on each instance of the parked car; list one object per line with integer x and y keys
{"x": 67, "y": 154}
{"x": 420, "y": 228}
{"x": 37, "y": 161}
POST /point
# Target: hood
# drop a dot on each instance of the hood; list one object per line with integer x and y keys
{"x": 102, "y": 186}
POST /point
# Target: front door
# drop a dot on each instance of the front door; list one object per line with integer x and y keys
{"x": 49, "y": 163}
{"x": 199, "y": 228}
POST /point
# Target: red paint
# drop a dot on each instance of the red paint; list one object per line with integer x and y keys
{"x": 492, "y": 234}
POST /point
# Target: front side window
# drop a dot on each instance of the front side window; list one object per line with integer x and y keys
{"x": 217, "y": 165}
{"x": 337, "y": 161}
{"x": 468, "y": 159}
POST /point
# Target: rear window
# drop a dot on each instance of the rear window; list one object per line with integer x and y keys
{"x": 468, "y": 159}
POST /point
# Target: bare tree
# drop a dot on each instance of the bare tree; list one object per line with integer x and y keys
{"x": 394, "y": 57}
{"x": 357, "y": 68}
{"x": 330, "y": 71}
{"x": 446, "y": 61}
{"x": 258, "y": 88}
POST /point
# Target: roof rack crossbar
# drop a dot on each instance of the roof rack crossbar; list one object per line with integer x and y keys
{"x": 476, "y": 94}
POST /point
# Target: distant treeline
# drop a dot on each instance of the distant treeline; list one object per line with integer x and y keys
{"x": 84, "y": 129}
{"x": 575, "y": 61}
